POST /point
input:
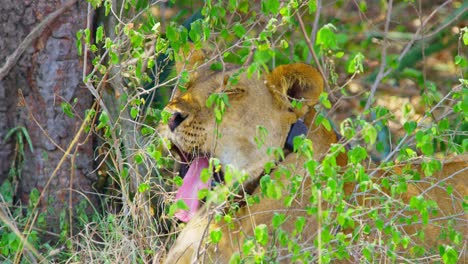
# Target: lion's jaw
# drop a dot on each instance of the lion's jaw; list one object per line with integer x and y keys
{"x": 239, "y": 140}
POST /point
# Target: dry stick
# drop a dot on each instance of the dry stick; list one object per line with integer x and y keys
{"x": 35, "y": 33}
{"x": 72, "y": 160}
{"x": 383, "y": 61}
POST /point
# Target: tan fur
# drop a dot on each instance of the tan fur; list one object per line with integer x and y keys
{"x": 266, "y": 102}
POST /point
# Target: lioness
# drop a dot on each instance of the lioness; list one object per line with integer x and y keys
{"x": 267, "y": 102}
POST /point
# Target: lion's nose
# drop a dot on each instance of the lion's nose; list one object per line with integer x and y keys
{"x": 175, "y": 120}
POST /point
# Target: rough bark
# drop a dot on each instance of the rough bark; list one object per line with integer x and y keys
{"x": 48, "y": 73}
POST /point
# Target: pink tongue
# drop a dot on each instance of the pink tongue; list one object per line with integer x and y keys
{"x": 190, "y": 187}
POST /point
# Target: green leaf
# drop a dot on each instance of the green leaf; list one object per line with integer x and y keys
{"x": 311, "y": 165}
{"x": 465, "y": 36}
{"x": 357, "y": 154}
{"x": 79, "y": 44}
{"x": 34, "y": 197}
{"x": 369, "y": 133}
{"x": 196, "y": 31}
{"x": 171, "y": 33}
{"x": 339, "y": 54}
{"x": 449, "y": 189}
{"x": 239, "y": 30}
{"x": 216, "y": 235}
{"x": 299, "y": 224}
{"x": 87, "y": 32}
{"x": 405, "y": 241}
{"x": 134, "y": 112}
{"x": 379, "y": 223}
{"x": 322, "y": 120}
{"x": 326, "y": 37}
{"x": 261, "y": 234}
{"x": 205, "y": 175}
{"x": 368, "y": 252}
{"x": 270, "y": 6}
{"x": 156, "y": 155}
{"x": 99, "y": 34}
{"x": 143, "y": 187}
{"x": 323, "y": 98}
{"x": 430, "y": 167}
{"x": 138, "y": 158}
{"x": 424, "y": 142}
{"x": 179, "y": 205}
{"x": 355, "y": 65}
{"x": 278, "y": 219}
{"x": 216, "y": 66}
{"x": 410, "y": 126}
{"x": 178, "y": 181}
{"x": 103, "y": 120}
{"x": 449, "y": 255}
{"x": 107, "y": 5}
{"x": 248, "y": 246}
{"x": 67, "y": 109}
{"x": 114, "y": 58}
{"x": 260, "y": 136}
{"x": 312, "y": 6}
{"x": 6, "y": 190}
{"x": 461, "y": 61}
{"x": 235, "y": 258}
{"x": 253, "y": 68}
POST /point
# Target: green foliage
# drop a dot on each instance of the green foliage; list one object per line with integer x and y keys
{"x": 326, "y": 38}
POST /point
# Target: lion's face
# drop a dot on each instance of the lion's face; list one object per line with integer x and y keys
{"x": 255, "y": 106}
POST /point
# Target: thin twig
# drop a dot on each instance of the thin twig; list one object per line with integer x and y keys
{"x": 311, "y": 47}
{"x": 418, "y": 32}
{"x": 313, "y": 34}
{"x": 39, "y": 125}
{"x": 442, "y": 27}
{"x": 383, "y": 60}
{"x": 35, "y": 33}
{"x": 72, "y": 144}
{"x": 410, "y": 43}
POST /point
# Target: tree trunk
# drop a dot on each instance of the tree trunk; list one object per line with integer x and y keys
{"x": 48, "y": 74}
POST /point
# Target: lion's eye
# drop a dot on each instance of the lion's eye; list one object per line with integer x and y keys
{"x": 233, "y": 91}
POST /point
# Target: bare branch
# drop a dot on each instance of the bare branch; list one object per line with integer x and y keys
{"x": 383, "y": 60}
{"x": 407, "y": 48}
{"x": 311, "y": 47}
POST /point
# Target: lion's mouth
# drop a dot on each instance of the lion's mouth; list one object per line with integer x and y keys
{"x": 191, "y": 171}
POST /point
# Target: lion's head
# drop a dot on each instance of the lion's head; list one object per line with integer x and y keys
{"x": 253, "y": 103}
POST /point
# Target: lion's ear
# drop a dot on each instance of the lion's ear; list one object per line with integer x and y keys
{"x": 298, "y": 81}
